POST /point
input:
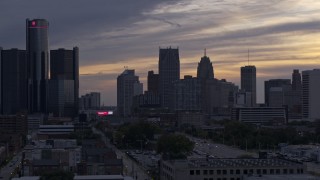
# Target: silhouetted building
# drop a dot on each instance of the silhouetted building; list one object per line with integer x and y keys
{"x": 128, "y": 86}
{"x": 13, "y": 81}
{"x": 153, "y": 82}
{"x": 310, "y": 94}
{"x": 248, "y": 82}
{"x": 38, "y": 67}
{"x": 187, "y": 94}
{"x": 169, "y": 71}
{"x": 205, "y": 68}
{"x": 220, "y": 98}
{"x": 204, "y": 73}
{"x": 90, "y": 101}
{"x": 296, "y": 80}
{"x": 284, "y": 84}
{"x": 64, "y": 82}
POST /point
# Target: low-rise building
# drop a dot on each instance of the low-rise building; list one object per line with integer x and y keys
{"x": 222, "y": 169}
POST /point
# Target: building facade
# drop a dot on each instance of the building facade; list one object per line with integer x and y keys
{"x": 64, "y": 82}
{"x": 90, "y": 101}
{"x": 13, "y": 81}
{"x": 38, "y": 64}
{"x": 169, "y": 71}
{"x": 248, "y": 82}
{"x": 128, "y": 85}
{"x": 226, "y": 169}
{"x": 153, "y": 82}
{"x": 187, "y": 94}
{"x": 310, "y": 94}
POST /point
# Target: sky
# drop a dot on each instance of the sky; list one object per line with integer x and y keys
{"x": 281, "y": 35}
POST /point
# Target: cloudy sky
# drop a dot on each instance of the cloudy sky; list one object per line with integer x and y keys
{"x": 282, "y": 35}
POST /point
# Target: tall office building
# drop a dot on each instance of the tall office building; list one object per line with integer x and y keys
{"x": 205, "y": 68}
{"x": 296, "y": 80}
{"x": 13, "y": 81}
{"x": 248, "y": 82}
{"x": 153, "y": 82}
{"x": 204, "y": 73}
{"x": 38, "y": 55}
{"x": 310, "y": 94}
{"x": 128, "y": 85}
{"x": 187, "y": 96}
{"x": 64, "y": 82}
{"x": 169, "y": 71}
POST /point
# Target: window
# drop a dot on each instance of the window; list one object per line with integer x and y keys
{"x": 224, "y": 171}
{"x": 264, "y": 171}
{"x": 285, "y": 171}
{"x": 191, "y": 172}
{"x": 231, "y": 171}
{"x": 258, "y": 171}
{"x": 197, "y": 172}
{"x": 210, "y": 178}
{"x": 271, "y": 171}
{"x": 251, "y": 171}
{"x": 218, "y": 171}
{"x": 211, "y": 172}
{"x": 277, "y": 171}
{"x": 291, "y": 171}
{"x": 245, "y": 171}
{"x": 205, "y": 172}
{"x": 205, "y": 178}
{"x": 238, "y": 171}
{"x": 301, "y": 170}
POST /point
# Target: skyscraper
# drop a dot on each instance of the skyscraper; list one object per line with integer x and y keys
{"x": 64, "y": 74}
{"x": 205, "y": 73}
{"x": 296, "y": 80}
{"x": 205, "y": 68}
{"x": 169, "y": 71}
{"x": 153, "y": 82}
{"x": 37, "y": 52}
{"x": 128, "y": 85}
{"x": 310, "y": 94}
{"x": 13, "y": 81}
{"x": 248, "y": 82}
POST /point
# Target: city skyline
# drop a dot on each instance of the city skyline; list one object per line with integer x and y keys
{"x": 113, "y": 34}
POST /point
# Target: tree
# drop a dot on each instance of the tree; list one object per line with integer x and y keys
{"x": 174, "y": 146}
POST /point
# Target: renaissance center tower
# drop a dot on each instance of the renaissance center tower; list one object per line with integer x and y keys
{"x": 37, "y": 54}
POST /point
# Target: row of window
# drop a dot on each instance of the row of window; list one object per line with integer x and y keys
{"x": 221, "y": 179}
{"x": 248, "y": 171}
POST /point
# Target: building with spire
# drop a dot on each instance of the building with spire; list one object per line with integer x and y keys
{"x": 205, "y": 68}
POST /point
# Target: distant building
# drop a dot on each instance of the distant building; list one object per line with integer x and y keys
{"x": 128, "y": 85}
{"x": 243, "y": 99}
{"x": 38, "y": 64}
{"x": 169, "y": 71}
{"x": 310, "y": 94}
{"x": 204, "y": 73}
{"x": 248, "y": 82}
{"x": 205, "y": 68}
{"x": 64, "y": 82}
{"x": 220, "y": 98}
{"x": 284, "y": 84}
{"x": 296, "y": 80}
{"x": 231, "y": 169}
{"x": 153, "y": 82}
{"x": 260, "y": 115}
{"x": 14, "y": 124}
{"x": 14, "y": 79}
{"x": 90, "y": 101}
{"x": 187, "y": 94}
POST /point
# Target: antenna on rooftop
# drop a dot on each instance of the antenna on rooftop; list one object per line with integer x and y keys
{"x": 205, "y": 51}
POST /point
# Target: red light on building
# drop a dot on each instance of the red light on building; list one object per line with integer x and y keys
{"x": 102, "y": 113}
{"x": 33, "y": 23}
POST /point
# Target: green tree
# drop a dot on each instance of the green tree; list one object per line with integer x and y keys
{"x": 174, "y": 146}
